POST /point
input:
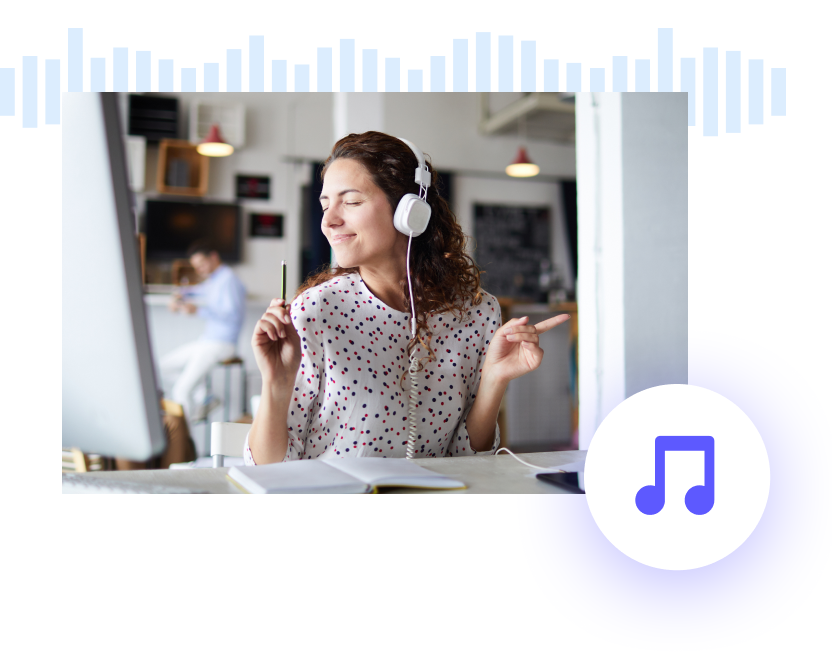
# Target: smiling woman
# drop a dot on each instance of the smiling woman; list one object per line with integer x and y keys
{"x": 333, "y": 366}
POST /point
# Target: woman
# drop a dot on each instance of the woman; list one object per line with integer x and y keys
{"x": 334, "y": 365}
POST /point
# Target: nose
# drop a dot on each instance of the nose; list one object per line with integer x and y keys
{"x": 331, "y": 218}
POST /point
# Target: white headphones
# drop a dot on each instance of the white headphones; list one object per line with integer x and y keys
{"x": 413, "y": 212}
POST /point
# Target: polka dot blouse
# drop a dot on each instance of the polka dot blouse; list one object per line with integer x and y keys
{"x": 348, "y": 400}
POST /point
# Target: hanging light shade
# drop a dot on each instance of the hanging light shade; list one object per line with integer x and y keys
{"x": 214, "y": 145}
{"x": 522, "y": 167}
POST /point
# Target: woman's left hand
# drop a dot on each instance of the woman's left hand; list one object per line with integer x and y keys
{"x": 515, "y": 349}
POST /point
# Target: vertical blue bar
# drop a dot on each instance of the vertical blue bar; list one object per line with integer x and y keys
{"x": 369, "y": 70}
{"x": 460, "y": 65}
{"x": 596, "y": 79}
{"x": 234, "y": 70}
{"x": 142, "y": 71}
{"x": 665, "y": 59}
{"x": 755, "y": 92}
{"x": 75, "y": 60}
{"x": 166, "y": 76}
{"x": 279, "y": 76}
{"x": 347, "y": 65}
{"x": 391, "y": 75}
{"x": 689, "y": 87}
{"x": 710, "y": 91}
{"x": 7, "y": 91}
{"x": 325, "y": 69}
{"x": 732, "y": 92}
{"x": 483, "y": 62}
{"x": 551, "y": 82}
{"x": 505, "y": 68}
{"x": 52, "y": 98}
{"x": 256, "y": 64}
{"x": 301, "y": 78}
{"x": 30, "y": 91}
{"x": 528, "y": 66}
{"x": 414, "y": 80}
{"x": 211, "y": 77}
{"x": 619, "y": 73}
{"x": 642, "y": 76}
{"x": 778, "y": 91}
{"x": 119, "y": 70}
{"x": 189, "y": 79}
{"x": 98, "y": 75}
{"x": 437, "y": 73}
{"x": 573, "y": 77}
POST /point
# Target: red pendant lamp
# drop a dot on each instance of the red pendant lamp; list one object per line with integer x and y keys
{"x": 214, "y": 145}
{"x": 522, "y": 166}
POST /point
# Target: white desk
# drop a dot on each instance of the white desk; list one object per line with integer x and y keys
{"x": 482, "y": 474}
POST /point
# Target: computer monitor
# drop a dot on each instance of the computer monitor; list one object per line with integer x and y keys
{"x": 110, "y": 401}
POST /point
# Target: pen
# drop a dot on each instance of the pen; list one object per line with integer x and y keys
{"x": 283, "y": 281}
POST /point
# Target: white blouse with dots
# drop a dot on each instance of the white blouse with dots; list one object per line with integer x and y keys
{"x": 347, "y": 397}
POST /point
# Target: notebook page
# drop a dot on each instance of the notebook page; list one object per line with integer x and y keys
{"x": 393, "y": 472}
{"x": 299, "y": 476}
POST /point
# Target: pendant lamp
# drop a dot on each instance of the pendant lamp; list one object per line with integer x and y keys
{"x": 214, "y": 145}
{"x": 522, "y": 167}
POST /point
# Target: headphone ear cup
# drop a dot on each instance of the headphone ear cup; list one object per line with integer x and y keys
{"x": 412, "y": 215}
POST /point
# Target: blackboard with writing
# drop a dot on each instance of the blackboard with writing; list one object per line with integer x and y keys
{"x": 511, "y": 243}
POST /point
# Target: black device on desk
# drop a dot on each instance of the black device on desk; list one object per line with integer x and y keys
{"x": 565, "y": 480}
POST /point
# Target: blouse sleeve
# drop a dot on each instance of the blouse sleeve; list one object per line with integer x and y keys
{"x": 460, "y": 444}
{"x": 307, "y": 381}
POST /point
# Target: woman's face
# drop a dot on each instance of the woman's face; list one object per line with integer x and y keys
{"x": 358, "y": 221}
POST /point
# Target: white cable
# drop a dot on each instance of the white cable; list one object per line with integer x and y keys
{"x": 522, "y": 461}
{"x": 414, "y": 396}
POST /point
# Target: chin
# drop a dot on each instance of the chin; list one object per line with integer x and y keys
{"x": 345, "y": 260}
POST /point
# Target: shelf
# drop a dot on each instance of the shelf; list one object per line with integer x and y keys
{"x": 181, "y": 170}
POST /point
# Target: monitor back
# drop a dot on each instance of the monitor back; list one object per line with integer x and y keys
{"x": 110, "y": 402}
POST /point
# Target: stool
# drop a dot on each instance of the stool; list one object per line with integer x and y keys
{"x": 227, "y": 365}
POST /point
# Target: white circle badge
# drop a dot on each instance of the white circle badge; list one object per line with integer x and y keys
{"x": 677, "y": 477}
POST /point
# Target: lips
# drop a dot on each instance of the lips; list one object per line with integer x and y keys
{"x": 337, "y": 239}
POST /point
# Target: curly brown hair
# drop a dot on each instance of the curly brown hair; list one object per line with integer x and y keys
{"x": 445, "y": 278}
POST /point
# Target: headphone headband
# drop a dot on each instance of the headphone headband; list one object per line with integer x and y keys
{"x": 422, "y": 176}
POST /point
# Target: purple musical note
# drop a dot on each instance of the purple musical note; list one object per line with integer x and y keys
{"x": 699, "y": 499}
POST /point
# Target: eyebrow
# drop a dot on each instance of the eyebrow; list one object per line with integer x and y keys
{"x": 340, "y": 194}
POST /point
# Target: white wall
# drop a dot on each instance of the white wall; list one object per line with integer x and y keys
{"x": 632, "y": 247}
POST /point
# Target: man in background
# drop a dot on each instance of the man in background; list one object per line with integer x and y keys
{"x": 220, "y": 300}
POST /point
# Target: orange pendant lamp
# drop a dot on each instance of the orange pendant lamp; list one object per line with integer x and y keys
{"x": 214, "y": 144}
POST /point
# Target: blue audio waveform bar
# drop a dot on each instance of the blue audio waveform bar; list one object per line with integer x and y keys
{"x": 26, "y": 106}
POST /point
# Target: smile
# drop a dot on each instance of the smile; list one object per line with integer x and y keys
{"x": 341, "y": 238}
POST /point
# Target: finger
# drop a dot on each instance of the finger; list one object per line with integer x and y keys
{"x": 534, "y": 354}
{"x": 276, "y": 321}
{"x": 281, "y": 313}
{"x": 544, "y": 326}
{"x": 265, "y": 328}
{"x": 511, "y": 323}
{"x": 521, "y": 329}
{"x": 523, "y": 337}
{"x": 278, "y": 302}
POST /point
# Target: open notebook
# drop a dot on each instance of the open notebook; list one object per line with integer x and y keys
{"x": 348, "y": 475}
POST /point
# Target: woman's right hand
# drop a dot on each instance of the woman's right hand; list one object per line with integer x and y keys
{"x": 276, "y": 346}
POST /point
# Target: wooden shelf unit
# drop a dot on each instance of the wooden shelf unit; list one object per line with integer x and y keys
{"x": 177, "y": 149}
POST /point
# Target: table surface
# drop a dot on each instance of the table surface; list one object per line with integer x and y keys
{"x": 480, "y": 473}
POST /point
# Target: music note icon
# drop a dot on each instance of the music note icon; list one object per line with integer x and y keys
{"x": 699, "y": 499}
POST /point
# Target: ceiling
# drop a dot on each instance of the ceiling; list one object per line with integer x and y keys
{"x": 537, "y": 116}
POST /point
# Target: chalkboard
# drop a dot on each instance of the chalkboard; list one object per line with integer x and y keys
{"x": 511, "y": 243}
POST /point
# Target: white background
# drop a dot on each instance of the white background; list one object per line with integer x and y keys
{"x": 448, "y": 579}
